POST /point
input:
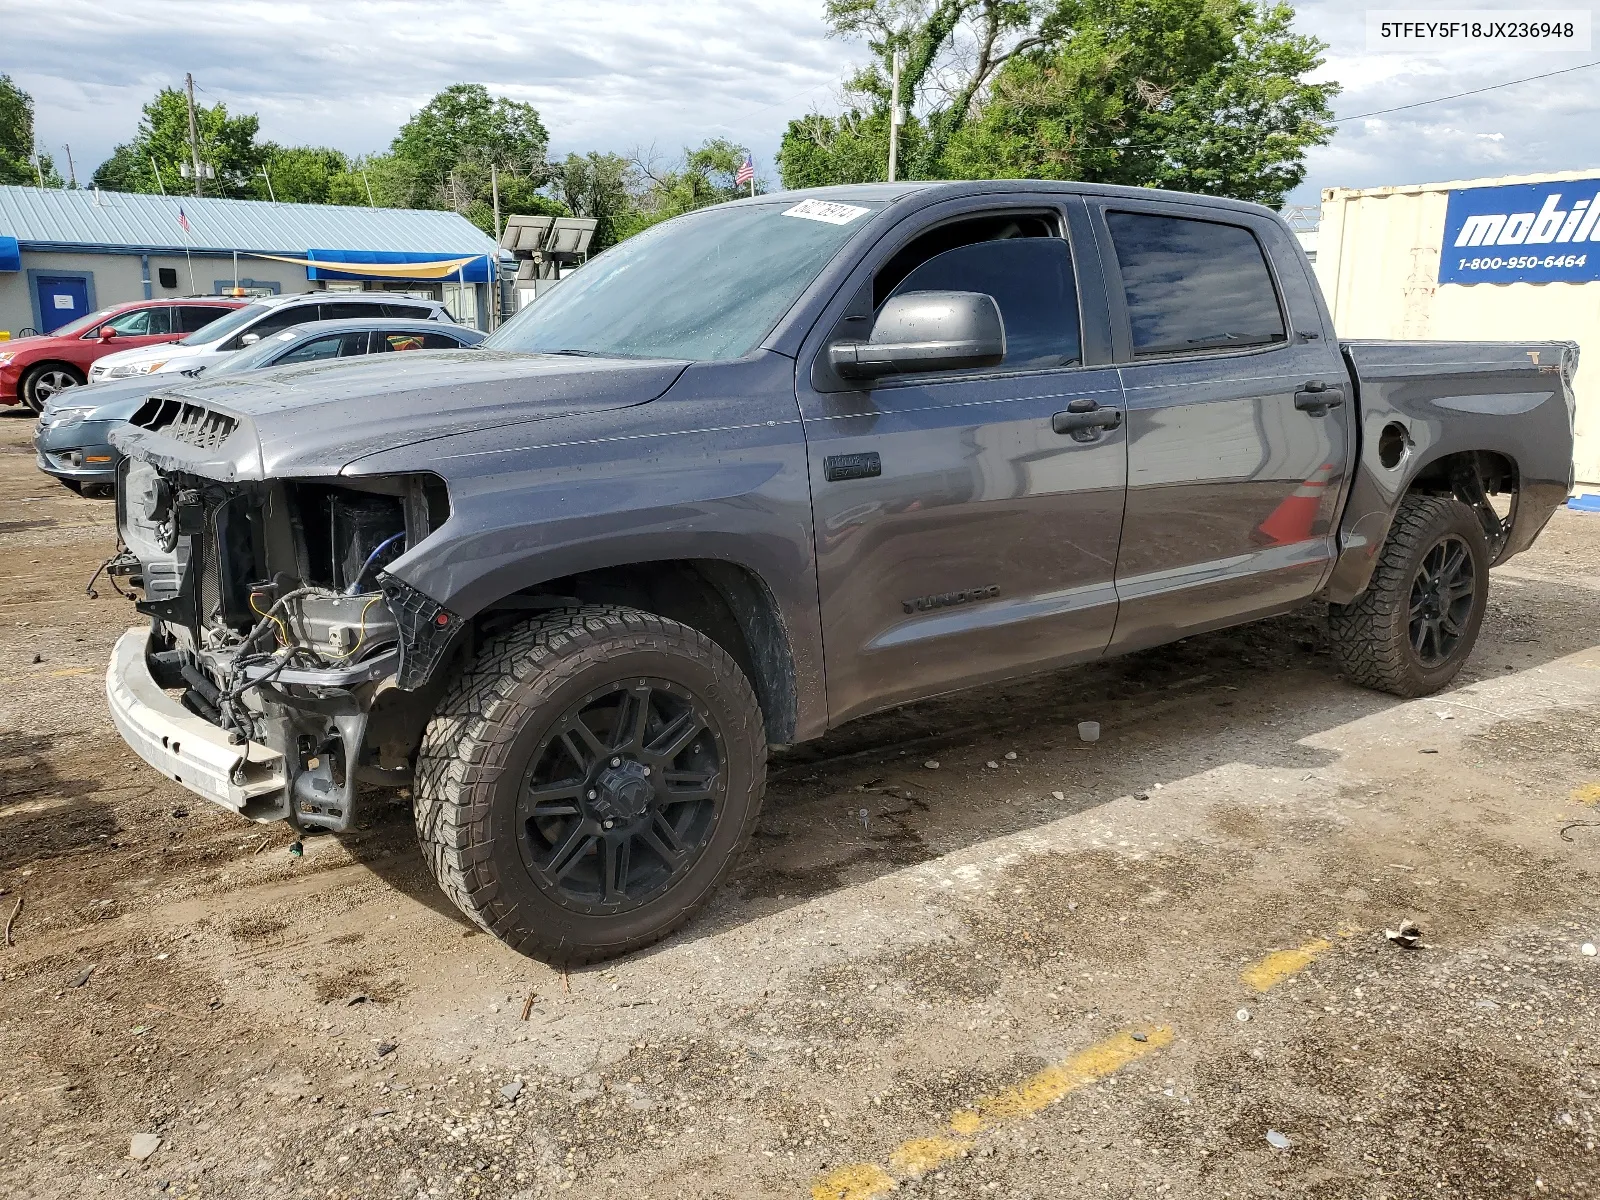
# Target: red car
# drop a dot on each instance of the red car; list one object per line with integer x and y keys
{"x": 32, "y": 369}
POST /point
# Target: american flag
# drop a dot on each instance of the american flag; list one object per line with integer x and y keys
{"x": 747, "y": 172}
{"x": 183, "y": 220}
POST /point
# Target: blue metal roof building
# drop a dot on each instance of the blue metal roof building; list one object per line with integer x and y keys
{"x": 65, "y": 253}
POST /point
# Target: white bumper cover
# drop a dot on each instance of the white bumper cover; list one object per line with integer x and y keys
{"x": 182, "y": 746}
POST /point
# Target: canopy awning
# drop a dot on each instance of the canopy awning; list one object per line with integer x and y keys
{"x": 400, "y": 264}
{"x": 10, "y": 254}
{"x": 389, "y": 264}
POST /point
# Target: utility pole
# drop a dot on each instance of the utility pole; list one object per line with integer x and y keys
{"x": 72, "y": 171}
{"x": 194, "y": 134}
{"x": 494, "y": 188}
{"x": 894, "y": 116}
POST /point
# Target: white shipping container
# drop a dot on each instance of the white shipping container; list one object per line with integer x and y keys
{"x": 1381, "y": 252}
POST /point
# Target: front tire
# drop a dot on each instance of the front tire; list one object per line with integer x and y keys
{"x": 587, "y": 784}
{"x": 1414, "y": 626}
{"x": 44, "y": 381}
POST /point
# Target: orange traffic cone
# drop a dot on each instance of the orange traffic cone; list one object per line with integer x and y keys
{"x": 1292, "y": 520}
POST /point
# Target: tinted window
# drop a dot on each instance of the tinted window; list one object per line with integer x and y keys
{"x": 407, "y": 311}
{"x": 335, "y": 345}
{"x": 1031, "y": 281}
{"x": 279, "y": 318}
{"x": 1194, "y": 285}
{"x": 349, "y": 310}
{"x": 197, "y": 316}
{"x": 439, "y": 341}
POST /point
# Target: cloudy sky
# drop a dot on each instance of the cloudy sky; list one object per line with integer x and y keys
{"x": 620, "y": 74}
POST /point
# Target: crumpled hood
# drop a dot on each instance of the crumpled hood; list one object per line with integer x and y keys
{"x": 314, "y": 419}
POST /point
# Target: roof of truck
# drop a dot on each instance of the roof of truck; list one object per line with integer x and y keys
{"x": 884, "y": 193}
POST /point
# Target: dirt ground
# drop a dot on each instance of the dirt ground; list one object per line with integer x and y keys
{"x": 1154, "y": 965}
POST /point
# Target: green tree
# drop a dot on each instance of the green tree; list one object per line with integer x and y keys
{"x": 16, "y": 139}
{"x": 455, "y": 138}
{"x": 702, "y": 177}
{"x": 301, "y": 174}
{"x": 227, "y": 144}
{"x": 602, "y": 186}
{"x": 1193, "y": 95}
{"x": 1199, "y": 95}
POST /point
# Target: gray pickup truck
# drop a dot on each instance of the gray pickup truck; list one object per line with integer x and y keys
{"x": 771, "y": 466}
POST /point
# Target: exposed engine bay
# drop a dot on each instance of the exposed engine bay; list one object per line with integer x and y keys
{"x": 270, "y": 617}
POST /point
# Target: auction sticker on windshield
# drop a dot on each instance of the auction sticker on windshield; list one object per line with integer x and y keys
{"x": 826, "y": 210}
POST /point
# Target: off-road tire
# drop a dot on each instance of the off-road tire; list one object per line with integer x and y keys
{"x": 28, "y": 388}
{"x": 1372, "y": 636}
{"x": 477, "y": 750}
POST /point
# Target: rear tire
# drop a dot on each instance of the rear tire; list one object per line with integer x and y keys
{"x": 1414, "y": 626}
{"x": 587, "y": 784}
{"x": 45, "y": 380}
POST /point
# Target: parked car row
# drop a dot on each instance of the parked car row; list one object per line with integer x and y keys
{"x": 150, "y": 336}
{"x": 125, "y": 350}
{"x": 32, "y": 369}
{"x": 72, "y": 436}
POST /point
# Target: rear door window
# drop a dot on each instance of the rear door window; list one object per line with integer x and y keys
{"x": 386, "y": 341}
{"x": 197, "y": 316}
{"x": 1194, "y": 286}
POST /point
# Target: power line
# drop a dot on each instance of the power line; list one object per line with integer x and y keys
{"x": 1458, "y": 95}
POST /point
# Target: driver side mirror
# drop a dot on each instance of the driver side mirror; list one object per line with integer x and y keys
{"x": 926, "y": 331}
{"x": 249, "y": 339}
{"x": 107, "y": 332}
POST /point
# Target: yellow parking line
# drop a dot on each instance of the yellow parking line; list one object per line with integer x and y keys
{"x": 1280, "y": 964}
{"x": 864, "y": 1181}
{"x": 1589, "y": 793}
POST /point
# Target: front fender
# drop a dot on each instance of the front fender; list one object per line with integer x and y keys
{"x": 714, "y": 469}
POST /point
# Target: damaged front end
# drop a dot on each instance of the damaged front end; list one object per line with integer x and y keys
{"x": 282, "y": 665}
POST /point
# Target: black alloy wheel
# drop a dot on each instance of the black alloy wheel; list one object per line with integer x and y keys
{"x": 622, "y": 796}
{"x": 1441, "y": 600}
{"x": 588, "y": 780}
{"x": 1416, "y": 623}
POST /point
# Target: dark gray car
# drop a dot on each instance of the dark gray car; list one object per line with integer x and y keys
{"x": 768, "y": 467}
{"x": 72, "y": 437}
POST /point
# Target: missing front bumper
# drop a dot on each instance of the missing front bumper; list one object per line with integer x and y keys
{"x": 249, "y": 778}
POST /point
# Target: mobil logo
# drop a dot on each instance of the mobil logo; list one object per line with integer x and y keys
{"x": 1522, "y": 233}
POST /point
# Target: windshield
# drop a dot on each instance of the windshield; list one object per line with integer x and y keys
{"x": 223, "y": 326}
{"x": 706, "y": 286}
{"x": 80, "y": 324}
{"x": 254, "y": 356}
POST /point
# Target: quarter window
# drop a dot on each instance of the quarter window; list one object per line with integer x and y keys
{"x": 1194, "y": 286}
